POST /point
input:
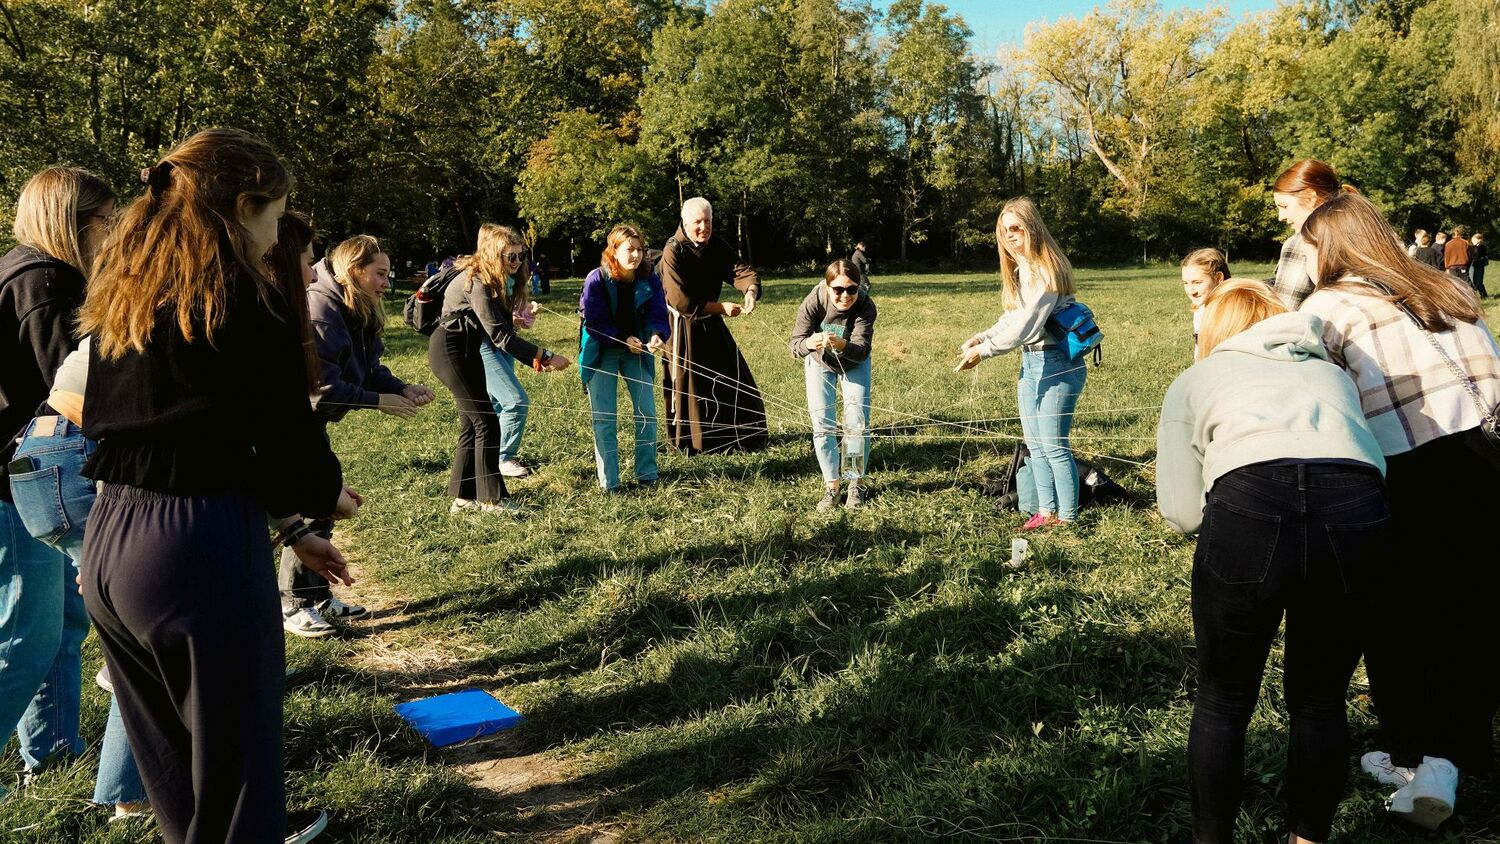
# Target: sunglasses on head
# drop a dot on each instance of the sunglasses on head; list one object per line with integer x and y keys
{"x": 844, "y": 291}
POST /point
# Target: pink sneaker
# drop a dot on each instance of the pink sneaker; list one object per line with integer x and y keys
{"x": 1039, "y": 520}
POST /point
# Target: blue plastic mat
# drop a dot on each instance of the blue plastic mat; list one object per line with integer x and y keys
{"x": 460, "y": 716}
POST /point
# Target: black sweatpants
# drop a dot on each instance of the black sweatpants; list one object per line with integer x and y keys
{"x": 182, "y": 593}
{"x": 1431, "y": 666}
{"x": 453, "y": 354}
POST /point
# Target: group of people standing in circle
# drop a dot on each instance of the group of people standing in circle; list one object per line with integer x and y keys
{"x": 1324, "y": 413}
{"x": 1317, "y": 448}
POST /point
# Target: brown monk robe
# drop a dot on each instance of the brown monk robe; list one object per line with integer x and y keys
{"x": 712, "y": 402}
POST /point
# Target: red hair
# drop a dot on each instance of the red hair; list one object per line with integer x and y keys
{"x": 1312, "y": 180}
{"x": 618, "y": 235}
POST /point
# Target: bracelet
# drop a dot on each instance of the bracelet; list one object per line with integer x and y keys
{"x": 292, "y": 534}
{"x": 542, "y": 356}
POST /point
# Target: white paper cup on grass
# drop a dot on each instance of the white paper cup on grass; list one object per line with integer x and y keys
{"x": 1019, "y": 549}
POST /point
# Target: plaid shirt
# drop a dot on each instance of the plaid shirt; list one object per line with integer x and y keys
{"x": 1408, "y": 392}
{"x": 1292, "y": 283}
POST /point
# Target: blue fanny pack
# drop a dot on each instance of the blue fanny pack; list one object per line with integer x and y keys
{"x": 1076, "y": 331}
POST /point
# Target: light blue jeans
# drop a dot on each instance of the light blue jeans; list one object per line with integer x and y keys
{"x": 639, "y": 374}
{"x": 821, "y": 406}
{"x": 508, "y": 396}
{"x": 53, "y": 503}
{"x": 1046, "y": 393}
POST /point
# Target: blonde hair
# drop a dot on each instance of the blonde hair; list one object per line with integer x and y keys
{"x": 1233, "y": 306}
{"x": 1211, "y": 261}
{"x": 1040, "y": 251}
{"x": 54, "y": 209}
{"x": 487, "y": 266}
{"x": 177, "y": 246}
{"x": 1353, "y": 240}
{"x": 348, "y": 258}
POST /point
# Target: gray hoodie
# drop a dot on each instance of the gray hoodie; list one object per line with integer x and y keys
{"x": 1268, "y": 393}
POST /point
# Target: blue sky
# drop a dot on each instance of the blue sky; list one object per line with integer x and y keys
{"x": 997, "y": 22}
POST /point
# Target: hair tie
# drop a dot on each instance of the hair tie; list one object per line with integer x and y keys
{"x": 157, "y": 178}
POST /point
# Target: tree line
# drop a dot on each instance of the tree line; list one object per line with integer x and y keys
{"x": 811, "y": 124}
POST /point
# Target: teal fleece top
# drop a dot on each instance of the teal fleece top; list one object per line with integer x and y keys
{"x": 1267, "y": 393}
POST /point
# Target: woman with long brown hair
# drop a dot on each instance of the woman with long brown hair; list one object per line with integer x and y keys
{"x": 477, "y": 309}
{"x": 61, "y": 218}
{"x": 1036, "y": 279}
{"x": 1428, "y": 373}
{"x": 348, "y": 321}
{"x": 1299, "y": 190}
{"x": 197, "y": 395}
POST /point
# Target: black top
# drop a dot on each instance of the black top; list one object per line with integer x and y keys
{"x": 194, "y": 418}
{"x": 39, "y": 298}
{"x": 1480, "y": 255}
{"x": 861, "y": 262}
{"x": 625, "y": 308}
{"x": 1432, "y": 256}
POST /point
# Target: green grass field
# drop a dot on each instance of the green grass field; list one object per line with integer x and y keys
{"x": 713, "y": 661}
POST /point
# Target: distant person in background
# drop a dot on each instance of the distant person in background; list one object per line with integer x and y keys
{"x": 713, "y": 404}
{"x": 1297, "y": 191}
{"x": 544, "y": 272}
{"x": 861, "y": 262}
{"x": 834, "y": 331}
{"x": 1457, "y": 255}
{"x": 1263, "y": 451}
{"x": 1440, "y": 241}
{"x": 1202, "y": 271}
{"x": 1416, "y": 242}
{"x": 1478, "y": 260}
{"x": 1426, "y": 252}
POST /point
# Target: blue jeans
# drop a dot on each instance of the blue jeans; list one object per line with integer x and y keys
{"x": 54, "y": 503}
{"x": 1046, "y": 393}
{"x": 821, "y": 386}
{"x": 507, "y": 394}
{"x": 639, "y": 374}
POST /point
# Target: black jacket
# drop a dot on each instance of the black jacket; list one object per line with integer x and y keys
{"x": 352, "y": 374}
{"x": 39, "y": 300}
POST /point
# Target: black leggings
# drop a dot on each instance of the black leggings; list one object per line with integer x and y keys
{"x": 182, "y": 595}
{"x": 1310, "y": 541}
{"x": 453, "y": 354}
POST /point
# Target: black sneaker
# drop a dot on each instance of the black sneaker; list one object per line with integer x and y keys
{"x": 305, "y": 825}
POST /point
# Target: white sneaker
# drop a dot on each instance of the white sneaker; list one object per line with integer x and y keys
{"x": 461, "y": 504}
{"x": 334, "y": 608}
{"x": 308, "y": 624}
{"x": 1428, "y": 799}
{"x": 512, "y": 468}
{"x": 505, "y": 507}
{"x": 102, "y": 678}
{"x": 1377, "y": 763}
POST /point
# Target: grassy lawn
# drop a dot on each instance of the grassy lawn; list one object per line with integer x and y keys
{"x": 713, "y": 661}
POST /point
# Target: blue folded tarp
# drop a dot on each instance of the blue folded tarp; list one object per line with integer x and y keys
{"x": 460, "y": 716}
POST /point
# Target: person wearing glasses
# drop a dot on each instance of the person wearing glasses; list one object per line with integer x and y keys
{"x": 479, "y": 310}
{"x": 1036, "y": 279}
{"x": 835, "y": 327}
{"x": 510, "y": 308}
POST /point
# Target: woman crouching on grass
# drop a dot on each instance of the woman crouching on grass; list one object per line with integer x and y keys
{"x": 835, "y": 327}
{"x": 347, "y": 323}
{"x": 1202, "y": 271}
{"x": 1263, "y": 451}
{"x": 622, "y": 301}
{"x": 1035, "y": 280}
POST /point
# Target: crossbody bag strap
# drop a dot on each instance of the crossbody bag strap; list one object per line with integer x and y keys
{"x": 1464, "y": 379}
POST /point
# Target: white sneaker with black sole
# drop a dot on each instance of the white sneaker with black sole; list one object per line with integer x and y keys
{"x": 334, "y": 608}
{"x": 307, "y": 623}
{"x": 1428, "y": 799}
{"x": 303, "y": 826}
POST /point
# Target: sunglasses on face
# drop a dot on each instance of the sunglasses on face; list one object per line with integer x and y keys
{"x": 513, "y": 256}
{"x": 1014, "y": 229}
{"x": 843, "y": 291}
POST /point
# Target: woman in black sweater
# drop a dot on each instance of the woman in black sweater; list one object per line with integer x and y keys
{"x": 198, "y": 397}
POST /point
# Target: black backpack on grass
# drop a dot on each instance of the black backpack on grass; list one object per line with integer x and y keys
{"x": 424, "y": 308}
{"x": 1094, "y": 487}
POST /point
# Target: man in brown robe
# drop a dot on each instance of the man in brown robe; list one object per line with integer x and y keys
{"x": 713, "y": 404}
